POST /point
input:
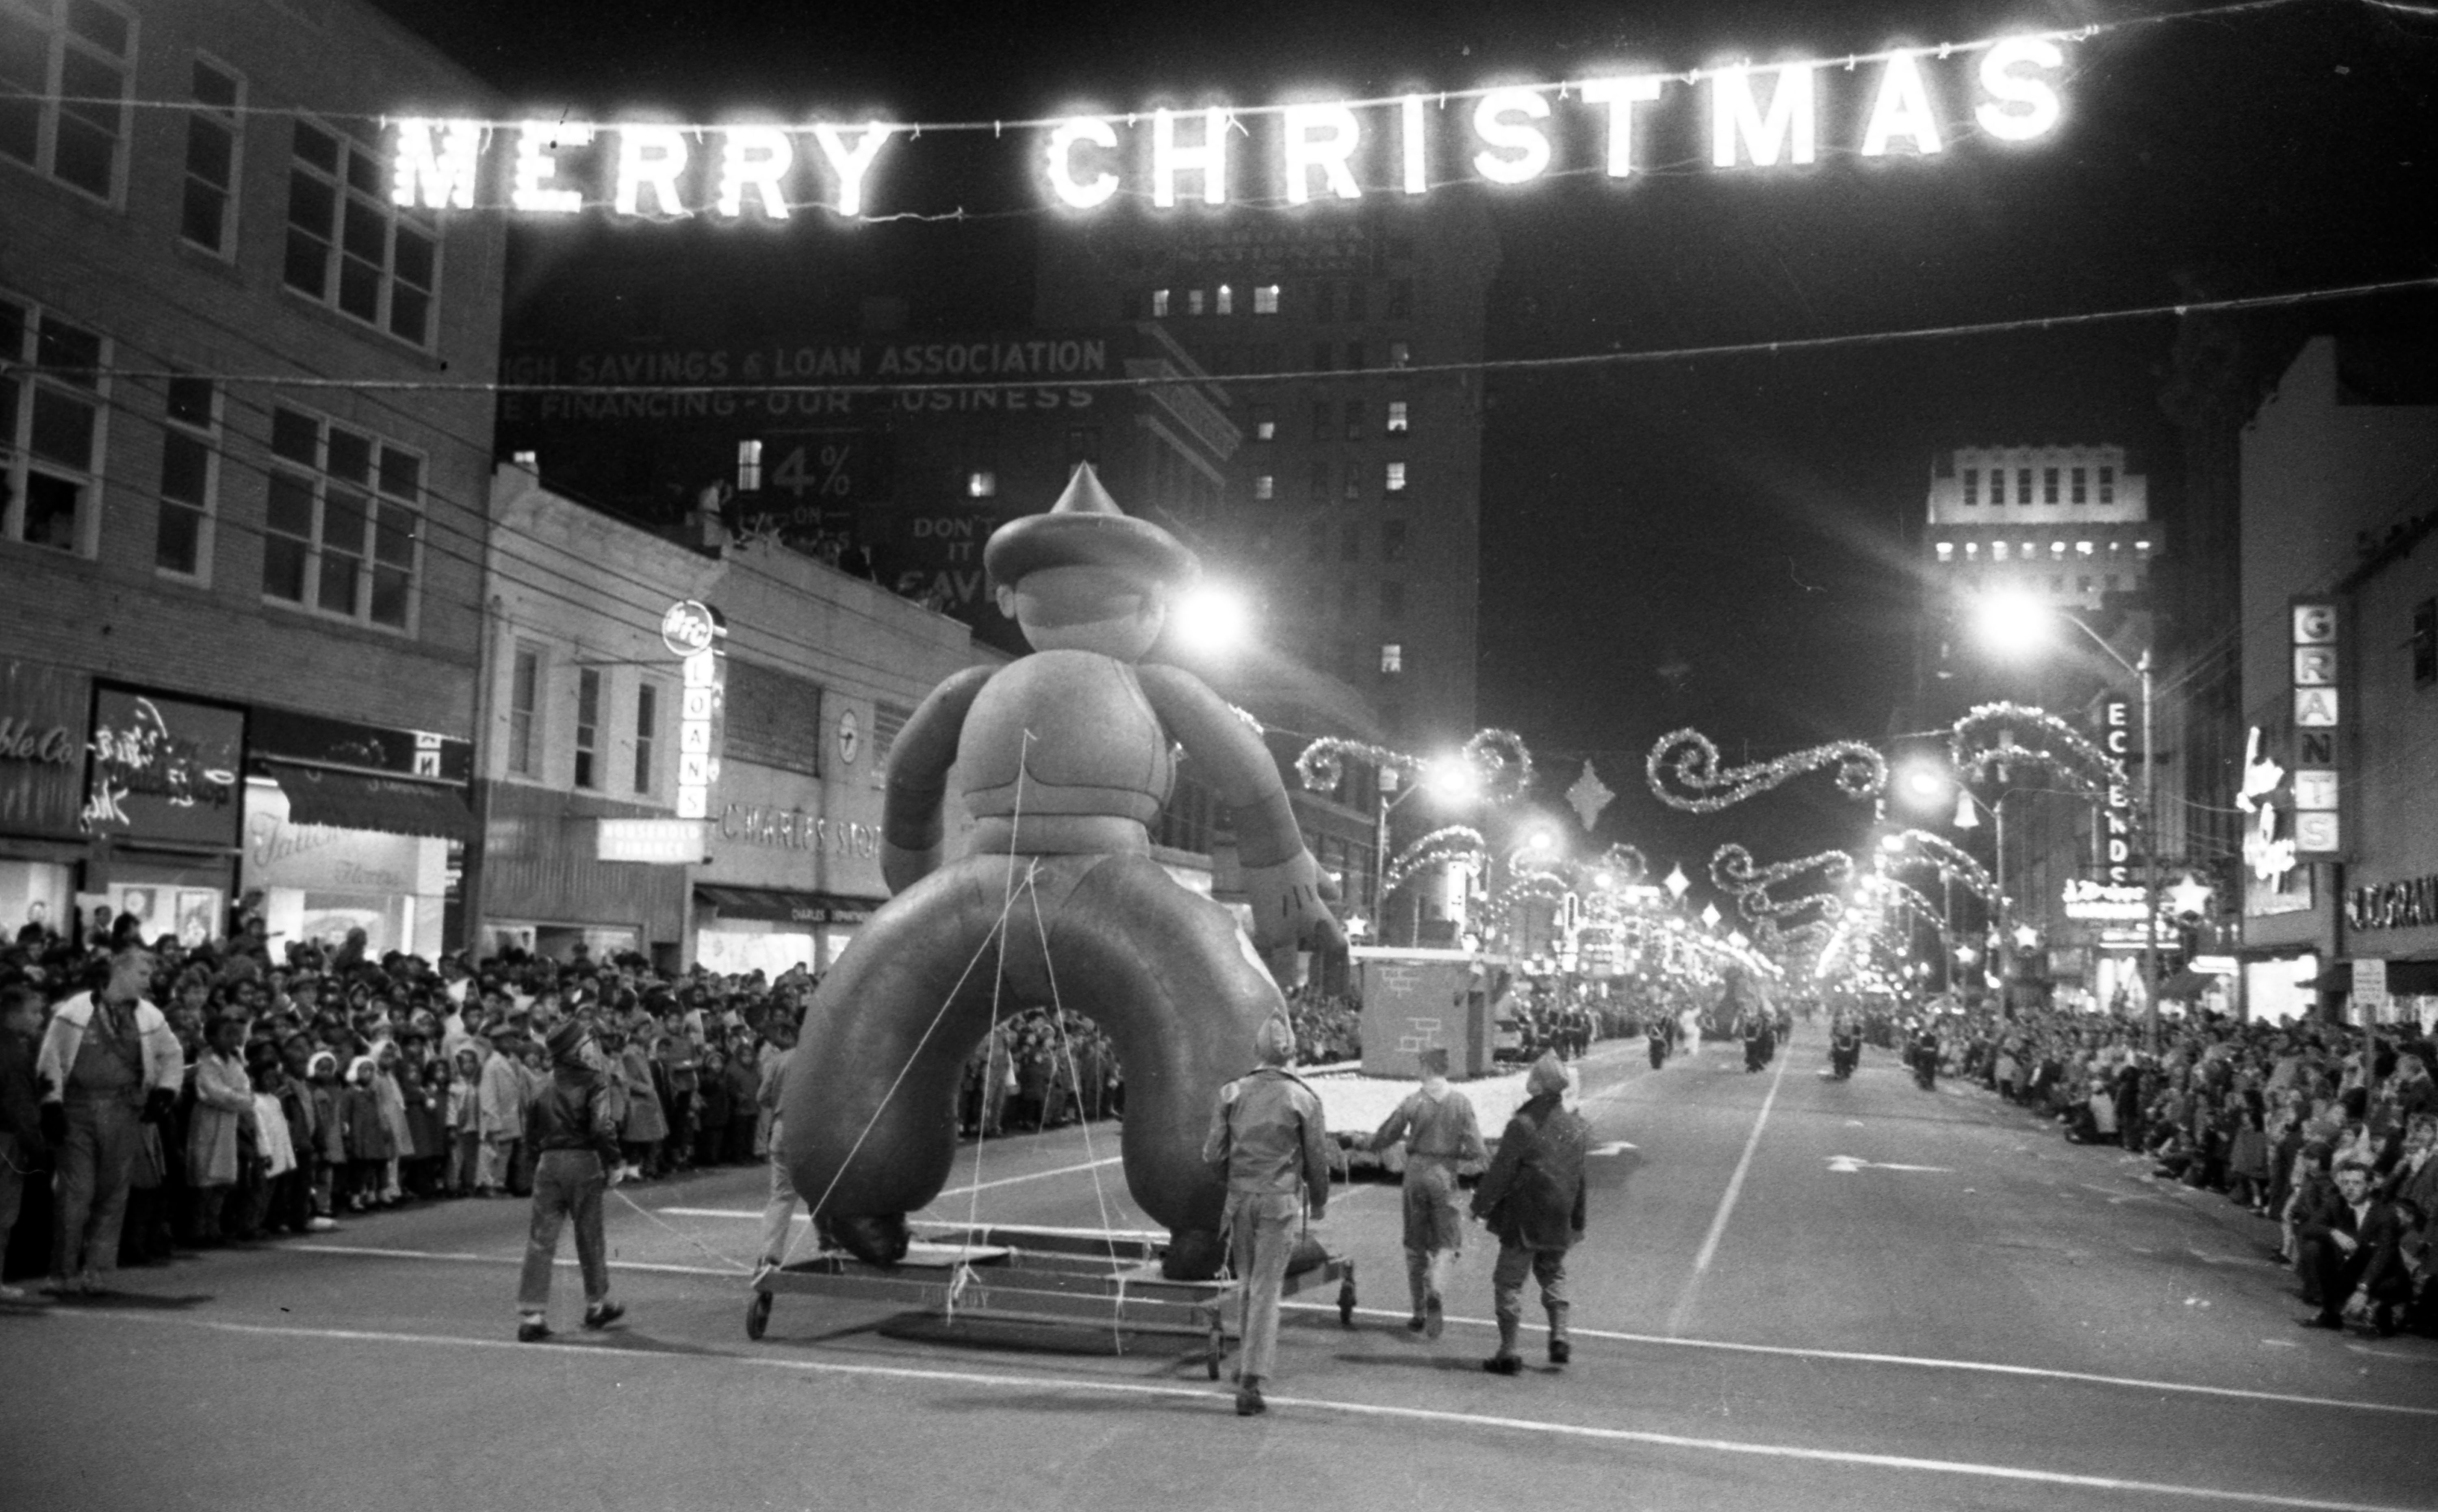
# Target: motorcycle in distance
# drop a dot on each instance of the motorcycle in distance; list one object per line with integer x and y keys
{"x": 1923, "y": 1052}
{"x": 1844, "y": 1051}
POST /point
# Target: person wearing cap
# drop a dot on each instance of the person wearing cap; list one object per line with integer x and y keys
{"x": 1268, "y": 1134}
{"x": 1066, "y": 759}
{"x": 1533, "y": 1197}
{"x": 572, "y": 1127}
{"x": 1438, "y": 1125}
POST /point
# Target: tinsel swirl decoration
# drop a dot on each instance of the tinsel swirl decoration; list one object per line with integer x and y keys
{"x": 1626, "y": 863}
{"x": 1449, "y": 843}
{"x": 1974, "y": 746}
{"x": 1502, "y": 765}
{"x": 1548, "y": 884}
{"x": 1954, "y": 863}
{"x": 1907, "y": 893}
{"x": 1691, "y": 759}
{"x": 1732, "y": 872}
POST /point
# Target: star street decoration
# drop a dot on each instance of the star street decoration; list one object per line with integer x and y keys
{"x": 1589, "y": 796}
{"x": 1688, "y": 759}
{"x": 2190, "y": 896}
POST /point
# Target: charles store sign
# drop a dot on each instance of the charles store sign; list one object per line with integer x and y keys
{"x": 2409, "y": 905}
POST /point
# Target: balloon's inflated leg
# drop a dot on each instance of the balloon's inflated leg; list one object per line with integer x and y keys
{"x": 870, "y": 1115}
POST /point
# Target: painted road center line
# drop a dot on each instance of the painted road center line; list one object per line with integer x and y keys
{"x": 1727, "y": 1206}
{"x": 630, "y": 1359}
{"x": 1789, "y": 1351}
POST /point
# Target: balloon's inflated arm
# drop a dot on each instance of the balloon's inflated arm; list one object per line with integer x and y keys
{"x": 911, "y": 824}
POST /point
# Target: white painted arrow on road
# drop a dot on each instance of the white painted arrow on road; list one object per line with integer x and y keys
{"x": 1614, "y": 1147}
{"x": 1847, "y": 1164}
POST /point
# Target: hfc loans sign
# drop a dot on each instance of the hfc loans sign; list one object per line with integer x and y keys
{"x": 1894, "y": 104}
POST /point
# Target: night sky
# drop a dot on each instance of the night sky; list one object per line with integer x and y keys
{"x": 1719, "y": 541}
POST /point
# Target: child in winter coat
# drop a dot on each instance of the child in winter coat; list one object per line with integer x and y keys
{"x": 371, "y": 1148}
{"x": 464, "y": 1117}
{"x": 328, "y": 1158}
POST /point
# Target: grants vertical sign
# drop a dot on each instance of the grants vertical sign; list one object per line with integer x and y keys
{"x": 1903, "y": 102}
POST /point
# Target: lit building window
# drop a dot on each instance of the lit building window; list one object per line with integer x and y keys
{"x": 1265, "y": 423}
{"x": 2140, "y": 546}
{"x": 1971, "y": 550}
{"x": 2082, "y": 548}
{"x": 1265, "y": 299}
{"x": 1399, "y": 421}
{"x": 1265, "y": 485}
{"x": 2115, "y": 548}
{"x": 1159, "y": 304}
{"x": 1997, "y": 551}
{"x": 749, "y": 467}
{"x": 1947, "y": 550}
{"x": 2056, "y": 548}
{"x": 982, "y": 484}
{"x": 1225, "y": 300}
{"x": 1195, "y": 299}
{"x": 1394, "y": 479}
{"x": 1392, "y": 659}
{"x": 1972, "y": 485}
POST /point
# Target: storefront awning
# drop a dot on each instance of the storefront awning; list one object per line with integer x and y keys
{"x": 346, "y": 801}
{"x": 2405, "y": 978}
{"x": 772, "y": 906}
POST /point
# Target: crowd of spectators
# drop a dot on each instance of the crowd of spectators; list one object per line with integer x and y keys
{"x": 2323, "y": 1130}
{"x": 326, "y": 1081}
{"x": 1328, "y": 1025}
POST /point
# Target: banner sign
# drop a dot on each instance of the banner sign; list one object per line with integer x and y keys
{"x": 2319, "y": 731}
{"x": 1906, "y": 102}
{"x": 165, "y": 769}
{"x": 2117, "y": 814}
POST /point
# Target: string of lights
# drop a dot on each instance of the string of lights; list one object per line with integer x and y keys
{"x": 1691, "y": 760}
{"x": 1953, "y": 863}
{"x": 1984, "y": 740}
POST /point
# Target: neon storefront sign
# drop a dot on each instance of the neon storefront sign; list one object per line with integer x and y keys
{"x": 1902, "y": 103}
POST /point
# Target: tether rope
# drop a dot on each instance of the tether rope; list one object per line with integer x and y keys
{"x": 1075, "y": 1080}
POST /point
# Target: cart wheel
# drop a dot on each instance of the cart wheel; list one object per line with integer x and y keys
{"x": 1217, "y": 1351}
{"x": 1346, "y": 1303}
{"x": 757, "y": 1315}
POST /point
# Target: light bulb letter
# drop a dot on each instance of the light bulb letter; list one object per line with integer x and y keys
{"x": 1409, "y": 137}
{"x": 1323, "y": 138}
{"x": 529, "y": 187}
{"x": 1168, "y": 160}
{"x": 852, "y": 163}
{"x": 1620, "y": 96}
{"x": 1738, "y": 128}
{"x": 1084, "y": 194}
{"x": 756, "y": 158}
{"x": 438, "y": 178}
{"x": 1903, "y": 109}
{"x": 654, "y": 156}
{"x": 1529, "y": 143}
{"x": 2019, "y": 107}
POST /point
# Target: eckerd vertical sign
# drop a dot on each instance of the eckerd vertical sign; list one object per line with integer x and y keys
{"x": 1904, "y": 102}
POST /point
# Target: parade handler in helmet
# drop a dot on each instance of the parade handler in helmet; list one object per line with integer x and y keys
{"x": 1066, "y": 758}
{"x": 1269, "y": 1136}
{"x": 574, "y": 1126}
{"x": 1533, "y": 1199}
{"x": 1437, "y": 1123}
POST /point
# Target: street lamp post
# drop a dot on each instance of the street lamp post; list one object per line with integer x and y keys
{"x": 2018, "y": 619}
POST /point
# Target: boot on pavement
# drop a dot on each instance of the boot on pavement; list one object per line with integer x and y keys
{"x": 1248, "y": 1397}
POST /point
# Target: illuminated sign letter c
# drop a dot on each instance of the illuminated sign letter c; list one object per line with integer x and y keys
{"x": 1063, "y": 138}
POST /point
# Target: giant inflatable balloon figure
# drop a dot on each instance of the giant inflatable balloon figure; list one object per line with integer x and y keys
{"x": 1065, "y": 757}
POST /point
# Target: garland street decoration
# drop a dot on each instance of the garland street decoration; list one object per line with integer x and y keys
{"x": 1733, "y": 871}
{"x": 1688, "y": 759}
{"x": 1985, "y": 738}
{"x": 1954, "y": 863}
{"x": 1499, "y": 761}
{"x": 1454, "y": 842}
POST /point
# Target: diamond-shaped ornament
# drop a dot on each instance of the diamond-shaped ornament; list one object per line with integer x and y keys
{"x": 1589, "y": 796}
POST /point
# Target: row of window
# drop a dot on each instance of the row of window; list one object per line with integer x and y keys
{"x": 1331, "y": 421}
{"x": 593, "y": 769}
{"x": 66, "y": 70}
{"x": 1325, "y": 480}
{"x": 1324, "y": 303}
{"x": 2030, "y": 552}
{"x": 1389, "y": 594}
{"x": 341, "y": 508}
{"x": 2075, "y": 480}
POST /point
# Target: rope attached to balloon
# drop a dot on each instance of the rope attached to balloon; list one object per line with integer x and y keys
{"x": 1684, "y": 771}
{"x": 1984, "y": 739}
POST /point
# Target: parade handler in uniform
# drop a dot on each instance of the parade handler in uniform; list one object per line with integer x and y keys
{"x": 1268, "y": 1134}
{"x": 109, "y": 1065}
{"x": 1066, "y": 758}
{"x": 1533, "y": 1197}
{"x": 1437, "y": 1123}
{"x": 572, "y": 1127}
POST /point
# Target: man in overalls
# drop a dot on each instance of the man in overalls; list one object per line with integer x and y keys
{"x": 1268, "y": 1132}
{"x": 108, "y": 1063}
{"x": 1437, "y": 1123}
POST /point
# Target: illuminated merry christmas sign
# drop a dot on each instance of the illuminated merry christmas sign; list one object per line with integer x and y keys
{"x": 1899, "y": 103}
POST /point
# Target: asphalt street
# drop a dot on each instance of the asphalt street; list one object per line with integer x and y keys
{"x": 1797, "y": 1292}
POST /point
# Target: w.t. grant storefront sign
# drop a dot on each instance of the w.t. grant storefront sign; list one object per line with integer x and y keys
{"x": 794, "y": 829}
{"x": 2409, "y": 905}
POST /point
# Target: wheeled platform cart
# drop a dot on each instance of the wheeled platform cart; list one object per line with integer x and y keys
{"x": 1058, "y": 1280}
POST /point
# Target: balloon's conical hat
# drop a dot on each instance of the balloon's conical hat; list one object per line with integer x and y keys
{"x": 1086, "y": 528}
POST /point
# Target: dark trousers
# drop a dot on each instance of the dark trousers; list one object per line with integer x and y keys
{"x": 95, "y": 1167}
{"x": 568, "y": 1184}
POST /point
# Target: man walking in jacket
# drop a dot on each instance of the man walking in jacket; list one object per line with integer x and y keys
{"x": 573, "y": 1128}
{"x": 1269, "y": 1131}
{"x": 1437, "y": 1123}
{"x": 108, "y": 1063}
{"x": 1533, "y": 1199}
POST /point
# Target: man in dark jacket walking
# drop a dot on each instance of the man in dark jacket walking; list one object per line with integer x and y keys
{"x": 1533, "y": 1199}
{"x": 573, "y": 1128}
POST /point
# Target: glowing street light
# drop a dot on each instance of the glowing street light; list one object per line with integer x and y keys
{"x": 1213, "y": 619}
